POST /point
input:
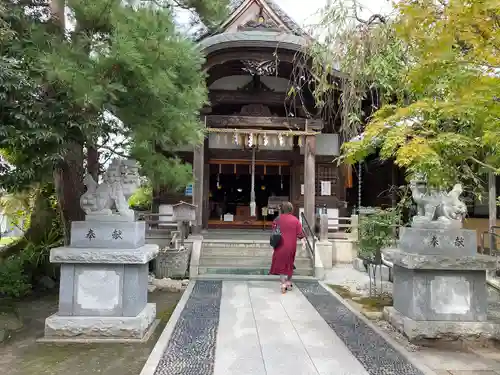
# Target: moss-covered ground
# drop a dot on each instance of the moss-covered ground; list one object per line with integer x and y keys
{"x": 21, "y": 355}
{"x": 374, "y": 303}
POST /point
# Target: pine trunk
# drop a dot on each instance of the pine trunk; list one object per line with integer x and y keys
{"x": 69, "y": 187}
{"x": 93, "y": 162}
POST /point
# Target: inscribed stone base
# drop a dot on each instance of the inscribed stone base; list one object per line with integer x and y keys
{"x": 440, "y": 295}
{"x": 103, "y": 289}
{"x": 420, "y": 330}
{"x": 455, "y": 242}
{"x": 108, "y": 234}
{"x": 90, "y": 328}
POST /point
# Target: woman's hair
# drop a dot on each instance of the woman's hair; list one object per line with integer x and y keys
{"x": 286, "y": 208}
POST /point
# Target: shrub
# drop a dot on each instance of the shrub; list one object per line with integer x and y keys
{"x": 18, "y": 272}
{"x": 14, "y": 282}
{"x": 376, "y": 231}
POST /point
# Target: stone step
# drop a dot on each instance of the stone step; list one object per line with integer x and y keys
{"x": 241, "y": 244}
{"x": 241, "y": 270}
{"x": 246, "y": 252}
{"x": 247, "y": 262}
{"x": 241, "y": 277}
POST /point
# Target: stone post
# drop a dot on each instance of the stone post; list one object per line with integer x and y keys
{"x": 310, "y": 179}
{"x": 355, "y": 227}
{"x": 323, "y": 234}
{"x": 324, "y": 247}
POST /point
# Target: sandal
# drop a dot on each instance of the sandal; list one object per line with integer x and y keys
{"x": 284, "y": 288}
{"x": 289, "y": 286}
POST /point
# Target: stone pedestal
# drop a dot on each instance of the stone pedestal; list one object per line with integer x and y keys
{"x": 439, "y": 284}
{"x": 104, "y": 281}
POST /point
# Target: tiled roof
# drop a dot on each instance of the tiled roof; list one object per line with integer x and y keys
{"x": 282, "y": 15}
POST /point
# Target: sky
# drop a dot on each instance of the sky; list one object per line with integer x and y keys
{"x": 303, "y": 11}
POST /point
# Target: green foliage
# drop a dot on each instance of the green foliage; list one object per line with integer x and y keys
{"x": 211, "y": 13}
{"x": 17, "y": 207}
{"x": 376, "y": 231}
{"x": 18, "y": 272}
{"x": 142, "y": 198}
{"x": 124, "y": 70}
{"x": 13, "y": 281}
{"x": 448, "y": 126}
{"x": 351, "y": 61}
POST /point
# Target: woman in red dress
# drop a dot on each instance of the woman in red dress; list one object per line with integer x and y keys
{"x": 284, "y": 254}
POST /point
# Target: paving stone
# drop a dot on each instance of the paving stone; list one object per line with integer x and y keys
{"x": 372, "y": 350}
{"x": 454, "y": 360}
{"x": 473, "y": 372}
{"x": 191, "y": 349}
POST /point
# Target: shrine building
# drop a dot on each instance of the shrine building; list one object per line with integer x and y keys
{"x": 262, "y": 145}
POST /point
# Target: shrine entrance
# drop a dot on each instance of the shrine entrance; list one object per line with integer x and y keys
{"x": 230, "y": 192}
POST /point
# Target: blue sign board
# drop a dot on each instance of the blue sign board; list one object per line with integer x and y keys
{"x": 189, "y": 190}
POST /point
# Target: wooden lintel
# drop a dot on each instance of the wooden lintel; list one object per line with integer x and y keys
{"x": 266, "y": 163}
{"x": 248, "y": 97}
{"x": 249, "y": 122}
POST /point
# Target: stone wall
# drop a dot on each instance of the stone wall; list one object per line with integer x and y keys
{"x": 173, "y": 263}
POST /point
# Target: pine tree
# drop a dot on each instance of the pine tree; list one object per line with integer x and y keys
{"x": 124, "y": 70}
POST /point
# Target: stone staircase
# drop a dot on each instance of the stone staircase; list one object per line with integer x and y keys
{"x": 245, "y": 257}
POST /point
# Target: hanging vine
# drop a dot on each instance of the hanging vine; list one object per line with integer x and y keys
{"x": 349, "y": 62}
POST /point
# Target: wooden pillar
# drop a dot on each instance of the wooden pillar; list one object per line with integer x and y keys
{"x": 206, "y": 186}
{"x": 295, "y": 166}
{"x": 310, "y": 179}
{"x": 198, "y": 169}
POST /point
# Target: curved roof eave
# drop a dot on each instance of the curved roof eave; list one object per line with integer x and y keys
{"x": 254, "y": 38}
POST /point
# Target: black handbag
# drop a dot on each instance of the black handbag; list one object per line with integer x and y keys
{"x": 275, "y": 239}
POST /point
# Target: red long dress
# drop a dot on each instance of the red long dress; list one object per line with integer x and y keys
{"x": 284, "y": 254}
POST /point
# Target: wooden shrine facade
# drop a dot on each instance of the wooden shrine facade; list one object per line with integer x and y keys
{"x": 254, "y": 130}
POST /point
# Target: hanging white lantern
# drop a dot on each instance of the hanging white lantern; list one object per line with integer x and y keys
{"x": 250, "y": 140}
{"x": 266, "y": 140}
{"x": 236, "y": 139}
{"x": 281, "y": 140}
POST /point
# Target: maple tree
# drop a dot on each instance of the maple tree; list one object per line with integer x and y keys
{"x": 447, "y": 124}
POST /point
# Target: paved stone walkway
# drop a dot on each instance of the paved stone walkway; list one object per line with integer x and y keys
{"x": 250, "y": 328}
